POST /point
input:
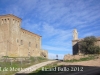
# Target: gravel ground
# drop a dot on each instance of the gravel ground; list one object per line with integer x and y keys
{"x": 95, "y": 62}
{"x": 91, "y": 67}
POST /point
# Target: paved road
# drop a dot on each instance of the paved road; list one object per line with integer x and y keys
{"x": 89, "y": 71}
{"x": 91, "y": 67}
{"x": 34, "y": 68}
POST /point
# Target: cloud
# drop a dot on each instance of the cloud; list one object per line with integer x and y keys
{"x": 53, "y": 39}
{"x": 53, "y": 48}
{"x": 54, "y": 20}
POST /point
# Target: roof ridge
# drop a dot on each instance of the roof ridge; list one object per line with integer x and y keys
{"x": 30, "y": 32}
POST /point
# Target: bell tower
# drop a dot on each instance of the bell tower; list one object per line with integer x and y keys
{"x": 75, "y": 42}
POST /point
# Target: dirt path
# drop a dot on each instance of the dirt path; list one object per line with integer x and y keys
{"x": 91, "y": 67}
{"x": 95, "y": 62}
{"x": 33, "y": 68}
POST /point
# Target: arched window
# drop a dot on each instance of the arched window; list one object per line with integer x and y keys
{"x": 8, "y": 20}
{"x": 5, "y": 20}
{"x": 2, "y": 21}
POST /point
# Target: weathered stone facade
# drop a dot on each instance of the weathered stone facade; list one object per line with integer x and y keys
{"x": 71, "y": 57}
{"x": 18, "y": 42}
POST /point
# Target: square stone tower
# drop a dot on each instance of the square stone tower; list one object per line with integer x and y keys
{"x": 9, "y": 33}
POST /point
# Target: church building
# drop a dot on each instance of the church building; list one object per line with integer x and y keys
{"x": 76, "y": 40}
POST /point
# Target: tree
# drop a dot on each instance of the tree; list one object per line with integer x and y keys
{"x": 87, "y": 45}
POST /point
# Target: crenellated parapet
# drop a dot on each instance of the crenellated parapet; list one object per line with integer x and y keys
{"x": 4, "y": 21}
{"x": 9, "y": 19}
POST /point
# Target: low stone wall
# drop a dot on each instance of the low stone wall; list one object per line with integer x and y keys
{"x": 70, "y": 57}
{"x": 13, "y": 59}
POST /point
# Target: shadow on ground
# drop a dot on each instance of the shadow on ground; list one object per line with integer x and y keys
{"x": 68, "y": 70}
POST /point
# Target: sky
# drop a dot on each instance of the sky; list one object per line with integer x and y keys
{"x": 55, "y": 20}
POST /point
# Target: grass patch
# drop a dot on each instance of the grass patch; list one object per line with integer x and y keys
{"x": 9, "y": 68}
{"x": 90, "y": 57}
{"x": 45, "y": 69}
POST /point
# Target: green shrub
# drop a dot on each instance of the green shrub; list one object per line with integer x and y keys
{"x": 87, "y": 46}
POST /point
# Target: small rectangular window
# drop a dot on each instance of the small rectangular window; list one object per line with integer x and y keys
{"x": 36, "y": 45}
{"x": 21, "y": 42}
{"x": 17, "y": 41}
{"x": 29, "y": 44}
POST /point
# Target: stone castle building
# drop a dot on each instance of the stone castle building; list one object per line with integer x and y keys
{"x": 76, "y": 40}
{"x": 18, "y": 42}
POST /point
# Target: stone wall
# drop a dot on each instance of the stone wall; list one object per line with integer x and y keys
{"x": 75, "y": 47}
{"x": 70, "y": 57}
{"x": 4, "y": 35}
{"x": 30, "y": 43}
{"x": 98, "y": 42}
